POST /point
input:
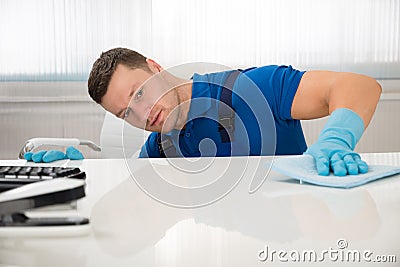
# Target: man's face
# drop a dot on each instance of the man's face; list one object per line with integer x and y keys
{"x": 143, "y": 99}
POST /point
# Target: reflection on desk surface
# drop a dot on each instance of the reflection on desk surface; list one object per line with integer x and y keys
{"x": 128, "y": 227}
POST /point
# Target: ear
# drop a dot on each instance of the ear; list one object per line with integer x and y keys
{"x": 153, "y": 66}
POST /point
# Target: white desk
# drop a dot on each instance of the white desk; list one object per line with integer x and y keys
{"x": 129, "y": 228}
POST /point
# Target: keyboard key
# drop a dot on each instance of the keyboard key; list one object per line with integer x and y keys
{"x": 14, "y": 176}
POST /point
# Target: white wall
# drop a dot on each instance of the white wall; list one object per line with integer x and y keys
{"x": 44, "y": 109}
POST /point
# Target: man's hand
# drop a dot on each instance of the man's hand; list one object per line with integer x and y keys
{"x": 335, "y": 145}
{"x": 53, "y": 155}
{"x": 332, "y": 154}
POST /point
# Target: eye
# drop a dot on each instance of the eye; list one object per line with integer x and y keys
{"x": 127, "y": 112}
{"x": 139, "y": 94}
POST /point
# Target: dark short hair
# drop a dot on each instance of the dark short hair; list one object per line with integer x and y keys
{"x": 103, "y": 69}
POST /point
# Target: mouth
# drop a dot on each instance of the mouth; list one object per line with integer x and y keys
{"x": 155, "y": 121}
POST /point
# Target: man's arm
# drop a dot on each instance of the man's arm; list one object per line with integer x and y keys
{"x": 321, "y": 92}
{"x": 351, "y": 100}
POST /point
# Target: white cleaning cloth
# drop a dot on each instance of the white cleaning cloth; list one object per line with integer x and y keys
{"x": 303, "y": 168}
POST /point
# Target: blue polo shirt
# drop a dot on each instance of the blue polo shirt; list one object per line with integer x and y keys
{"x": 262, "y": 100}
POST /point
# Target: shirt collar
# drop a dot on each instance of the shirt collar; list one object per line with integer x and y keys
{"x": 200, "y": 102}
{"x": 201, "y": 96}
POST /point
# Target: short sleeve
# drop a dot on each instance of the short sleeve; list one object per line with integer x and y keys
{"x": 288, "y": 87}
{"x": 279, "y": 85}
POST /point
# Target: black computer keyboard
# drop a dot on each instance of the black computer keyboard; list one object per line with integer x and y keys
{"x": 15, "y": 176}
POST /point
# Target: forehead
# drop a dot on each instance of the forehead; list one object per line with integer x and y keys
{"x": 124, "y": 78}
{"x": 122, "y": 82}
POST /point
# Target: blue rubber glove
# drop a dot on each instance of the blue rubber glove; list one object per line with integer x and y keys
{"x": 334, "y": 147}
{"x": 53, "y": 155}
{"x": 73, "y": 153}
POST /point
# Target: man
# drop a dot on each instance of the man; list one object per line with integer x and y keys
{"x": 137, "y": 89}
